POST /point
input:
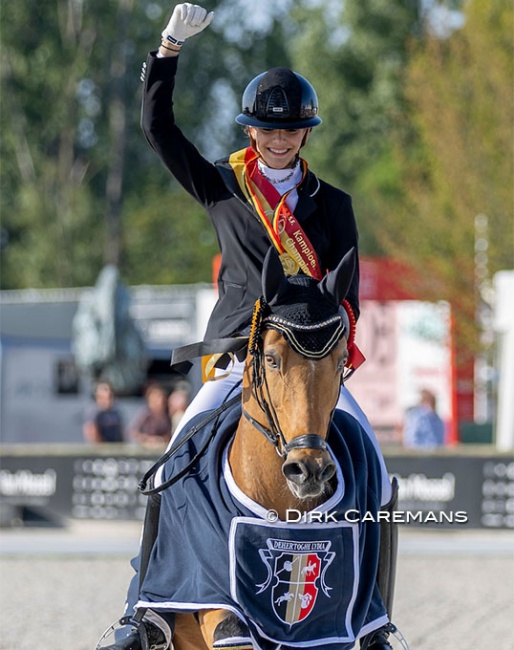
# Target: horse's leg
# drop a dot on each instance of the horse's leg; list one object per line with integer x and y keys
{"x": 209, "y": 621}
{"x": 187, "y": 634}
{"x": 220, "y": 626}
{"x": 191, "y": 634}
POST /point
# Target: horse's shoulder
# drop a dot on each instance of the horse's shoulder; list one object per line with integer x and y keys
{"x": 351, "y": 431}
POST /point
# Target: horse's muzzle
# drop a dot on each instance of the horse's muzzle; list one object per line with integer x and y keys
{"x": 308, "y": 472}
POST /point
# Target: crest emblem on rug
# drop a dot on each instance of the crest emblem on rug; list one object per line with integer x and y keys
{"x": 296, "y": 574}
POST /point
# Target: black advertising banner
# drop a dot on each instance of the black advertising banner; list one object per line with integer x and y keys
{"x": 437, "y": 491}
{"x": 81, "y": 487}
{"x": 455, "y": 491}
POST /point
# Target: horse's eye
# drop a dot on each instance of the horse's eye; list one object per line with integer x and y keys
{"x": 271, "y": 361}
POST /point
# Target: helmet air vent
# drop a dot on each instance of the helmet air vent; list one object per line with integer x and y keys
{"x": 277, "y": 105}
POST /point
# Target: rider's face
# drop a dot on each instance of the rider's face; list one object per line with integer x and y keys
{"x": 278, "y": 147}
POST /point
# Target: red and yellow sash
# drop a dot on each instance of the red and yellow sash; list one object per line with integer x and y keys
{"x": 295, "y": 250}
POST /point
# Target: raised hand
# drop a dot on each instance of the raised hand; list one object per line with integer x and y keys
{"x": 186, "y": 21}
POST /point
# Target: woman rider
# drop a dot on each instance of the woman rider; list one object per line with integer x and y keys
{"x": 261, "y": 196}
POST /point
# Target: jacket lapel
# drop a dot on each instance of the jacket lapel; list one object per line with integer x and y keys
{"x": 229, "y": 178}
{"x": 306, "y": 203}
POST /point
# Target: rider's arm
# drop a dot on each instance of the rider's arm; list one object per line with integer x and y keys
{"x": 196, "y": 174}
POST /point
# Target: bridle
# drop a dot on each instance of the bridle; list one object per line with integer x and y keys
{"x": 261, "y": 393}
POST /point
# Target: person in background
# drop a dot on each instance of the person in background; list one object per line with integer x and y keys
{"x": 423, "y": 427}
{"x": 103, "y": 423}
{"x": 152, "y": 426}
{"x": 178, "y": 401}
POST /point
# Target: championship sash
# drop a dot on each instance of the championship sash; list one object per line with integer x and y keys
{"x": 295, "y": 250}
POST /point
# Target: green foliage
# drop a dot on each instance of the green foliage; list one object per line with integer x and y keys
{"x": 53, "y": 156}
{"x": 169, "y": 239}
{"x": 416, "y": 126}
{"x": 355, "y": 53}
{"x": 77, "y": 174}
{"x": 460, "y": 161}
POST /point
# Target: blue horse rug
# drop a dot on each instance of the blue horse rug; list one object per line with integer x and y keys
{"x": 302, "y": 584}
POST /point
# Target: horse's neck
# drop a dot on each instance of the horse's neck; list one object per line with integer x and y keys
{"x": 257, "y": 471}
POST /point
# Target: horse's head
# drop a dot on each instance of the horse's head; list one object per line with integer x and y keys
{"x": 297, "y": 354}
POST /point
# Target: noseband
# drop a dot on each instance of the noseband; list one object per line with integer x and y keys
{"x": 273, "y": 432}
{"x": 276, "y": 437}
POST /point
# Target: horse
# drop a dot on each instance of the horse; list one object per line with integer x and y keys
{"x": 277, "y": 461}
{"x": 289, "y": 399}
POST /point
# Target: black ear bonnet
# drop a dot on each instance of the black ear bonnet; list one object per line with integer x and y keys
{"x": 311, "y": 323}
{"x": 306, "y": 312}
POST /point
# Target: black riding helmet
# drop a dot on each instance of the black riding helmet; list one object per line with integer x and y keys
{"x": 280, "y": 99}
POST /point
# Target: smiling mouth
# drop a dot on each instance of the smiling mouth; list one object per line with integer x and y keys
{"x": 278, "y": 152}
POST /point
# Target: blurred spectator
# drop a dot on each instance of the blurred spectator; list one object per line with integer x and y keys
{"x": 177, "y": 403}
{"x": 103, "y": 423}
{"x": 153, "y": 425}
{"x": 423, "y": 427}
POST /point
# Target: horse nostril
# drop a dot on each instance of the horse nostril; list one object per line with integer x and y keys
{"x": 327, "y": 472}
{"x": 301, "y": 471}
{"x": 295, "y": 471}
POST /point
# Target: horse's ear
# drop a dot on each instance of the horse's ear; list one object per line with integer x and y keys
{"x": 336, "y": 283}
{"x": 274, "y": 281}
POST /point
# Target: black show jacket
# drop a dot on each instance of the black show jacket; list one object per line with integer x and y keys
{"x": 324, "y": 212}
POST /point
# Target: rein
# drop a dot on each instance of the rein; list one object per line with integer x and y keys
{"x": 273, "y": 432}
{"x": 307, "y": 441}
{"x": 214, "y": 415}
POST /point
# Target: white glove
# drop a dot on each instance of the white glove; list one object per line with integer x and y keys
{"x": 186, "y": 20}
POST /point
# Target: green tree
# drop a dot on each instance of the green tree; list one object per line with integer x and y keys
{"x": 76, "y": 171}
{"x": 169, "y": 239}
{"x": 458, "y": 163}
{"x": 46, "y": 205}
{"x": 355, "y": 53}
